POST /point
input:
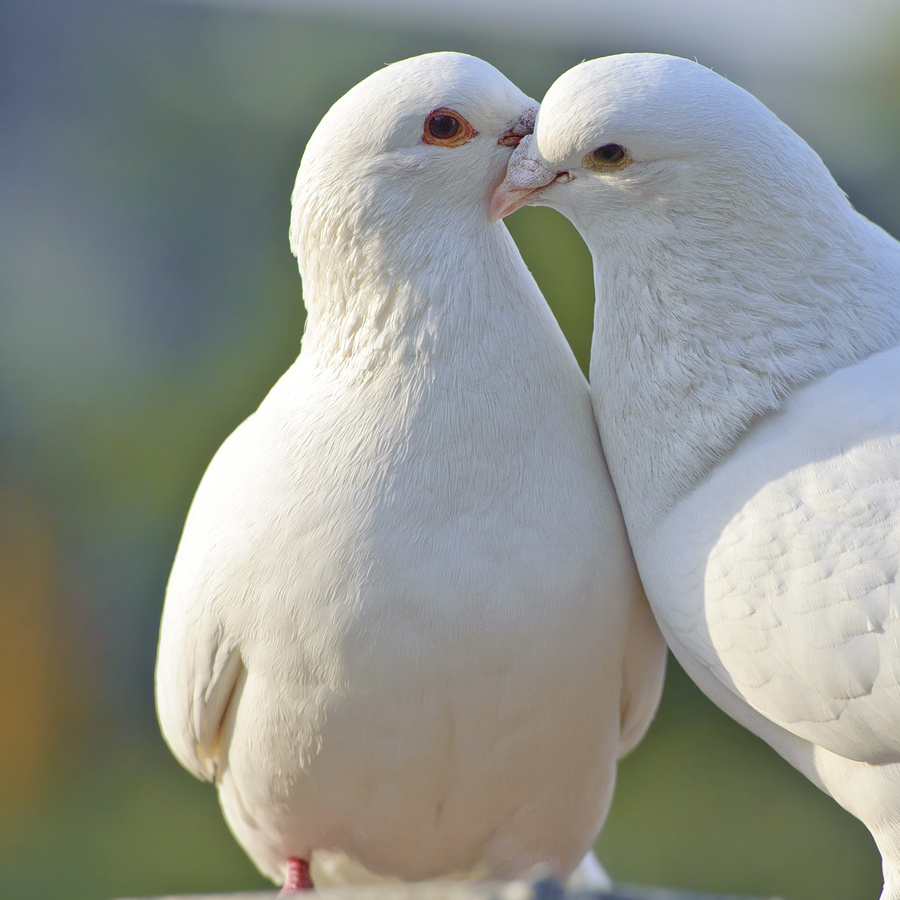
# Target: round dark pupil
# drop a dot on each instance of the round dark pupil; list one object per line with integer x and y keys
{"x": 609, "y": 153}
{"x": 443, "y": 126}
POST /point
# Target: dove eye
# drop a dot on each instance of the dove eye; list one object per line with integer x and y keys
{"x": 443, "y": 127}
{"x": 608, "y": 158}
{"x": 447, "y": 128}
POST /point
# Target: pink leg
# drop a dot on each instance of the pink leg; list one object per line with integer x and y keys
{"x": 296, "y": 877}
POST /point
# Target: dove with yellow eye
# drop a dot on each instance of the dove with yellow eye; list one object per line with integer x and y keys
{"x": 745, "y": 375}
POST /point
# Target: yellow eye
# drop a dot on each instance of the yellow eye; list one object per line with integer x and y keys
{"x": 447, "y": 128}
{"x": 607, "y": 158}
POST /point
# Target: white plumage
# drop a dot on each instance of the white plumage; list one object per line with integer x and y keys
{"x": 745, "y": 374}
{"x": 404, "y": 625}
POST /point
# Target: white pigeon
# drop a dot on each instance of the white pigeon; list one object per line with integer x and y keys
{"x": 745, "y": 374}
{"x": 404, "y": 625}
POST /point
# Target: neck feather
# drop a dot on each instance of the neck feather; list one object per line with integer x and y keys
{"x": 695, "y": 338}
{"x": 399, "y": 283}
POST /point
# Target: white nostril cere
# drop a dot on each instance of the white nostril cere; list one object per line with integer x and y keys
{"x": 525, "y": 172}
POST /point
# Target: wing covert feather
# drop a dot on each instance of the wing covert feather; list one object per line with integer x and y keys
{"x": 787, "y": 557}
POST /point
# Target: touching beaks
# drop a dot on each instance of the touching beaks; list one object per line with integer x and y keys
{"x": 525, "y": 177}
{"x": 524, "y": 126}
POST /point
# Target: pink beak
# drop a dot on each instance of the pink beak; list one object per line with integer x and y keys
{"x": 525, "y": 179}
{"x": 507, "y": 199}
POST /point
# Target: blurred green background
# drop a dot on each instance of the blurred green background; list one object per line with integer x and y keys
{"x": 148, "y": 300}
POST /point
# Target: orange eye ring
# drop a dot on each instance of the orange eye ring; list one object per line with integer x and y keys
{"x": 446, "y": 128}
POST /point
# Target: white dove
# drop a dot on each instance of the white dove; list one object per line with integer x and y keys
{"x": 404, "y": 624}
{"x": 745, "y": 374}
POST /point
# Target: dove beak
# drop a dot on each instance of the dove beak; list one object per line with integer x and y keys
{"x": 507, "y": 199}
{"x": 525, "y": 179}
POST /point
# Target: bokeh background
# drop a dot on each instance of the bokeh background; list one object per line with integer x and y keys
{"x": 148, "y": 300}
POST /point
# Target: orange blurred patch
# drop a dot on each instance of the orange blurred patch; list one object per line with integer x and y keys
{"x": 29, "y": 638}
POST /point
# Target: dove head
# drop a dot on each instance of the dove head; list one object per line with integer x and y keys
{"x": 407, "y": 157}
{"x": 638, "y": 137}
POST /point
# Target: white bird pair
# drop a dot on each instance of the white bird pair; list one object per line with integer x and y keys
{"x": 404, "y": 624}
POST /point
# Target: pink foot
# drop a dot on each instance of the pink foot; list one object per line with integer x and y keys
{"x": 296, "y": 877}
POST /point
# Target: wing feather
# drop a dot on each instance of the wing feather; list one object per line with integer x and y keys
{"x": 787, "y": 559}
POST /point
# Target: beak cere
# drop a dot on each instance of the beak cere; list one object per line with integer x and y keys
{"x": 524, "y": 126}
